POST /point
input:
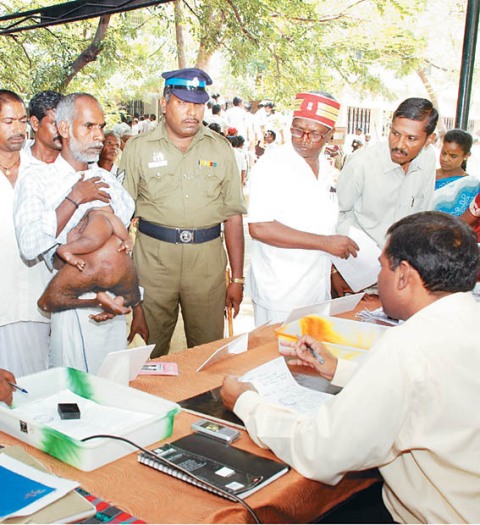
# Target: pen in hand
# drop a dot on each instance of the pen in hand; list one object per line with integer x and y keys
{"x": 13, "y": 385}
{"x": 316, "y": 355}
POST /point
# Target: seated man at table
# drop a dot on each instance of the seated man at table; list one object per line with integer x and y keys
{"x": 411, "y": 408}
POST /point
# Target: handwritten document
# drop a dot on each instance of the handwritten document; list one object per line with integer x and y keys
{"x": 275, "y": 383}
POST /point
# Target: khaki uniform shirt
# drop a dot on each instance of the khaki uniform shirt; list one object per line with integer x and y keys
{"x": 194, "y": 189}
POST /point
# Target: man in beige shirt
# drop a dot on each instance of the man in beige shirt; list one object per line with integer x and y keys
{"x": 411, "y": 408}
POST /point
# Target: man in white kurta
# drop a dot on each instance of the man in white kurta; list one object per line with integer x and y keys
{"x": 284, "y": 189}
{"x": 24, "y": 329}
{"x": 76, "y": 339}
{"x": 411, "y": 407}
{"x": 292, "y": 216}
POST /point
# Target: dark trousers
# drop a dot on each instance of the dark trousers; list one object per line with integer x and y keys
{"x": 365, "y": 507}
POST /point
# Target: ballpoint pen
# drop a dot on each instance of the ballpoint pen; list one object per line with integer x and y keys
{"x": 316, "y": 355}
{"x": 17, "y": 387}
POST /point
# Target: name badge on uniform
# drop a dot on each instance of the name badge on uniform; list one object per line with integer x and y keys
{"x": 158, "y": 160}
{"x": 158, "y": 164}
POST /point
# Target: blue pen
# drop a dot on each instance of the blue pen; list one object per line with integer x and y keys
{"x": 17, "y": 387}
{"x": 316, "y": 355}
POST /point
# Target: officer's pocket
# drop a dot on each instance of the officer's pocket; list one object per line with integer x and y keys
{"x": 160, "y": 183}
{"x": 211, "y": 182}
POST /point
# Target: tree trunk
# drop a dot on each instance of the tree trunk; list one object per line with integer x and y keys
{"x": 179, "y": 28}
{"x": 90, "y": 54}
{"x": 432, "y": 95}
{"x": 203, "y": 57}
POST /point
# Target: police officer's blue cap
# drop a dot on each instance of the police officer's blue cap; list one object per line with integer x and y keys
{"x": 188, "y": 84}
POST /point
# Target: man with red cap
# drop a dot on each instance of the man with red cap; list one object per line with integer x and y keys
{"x": 184, "y": 180}
{"x": 293, "y": 215}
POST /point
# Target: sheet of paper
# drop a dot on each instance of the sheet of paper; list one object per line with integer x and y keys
{"x": 25, "y": 490}
{"x": 361, "y": 271}
{"x": 331, "y": 307}
{"x": 94, "y": 418}
{"x": 237, "y": 346}
{"x": 275, "y": 383}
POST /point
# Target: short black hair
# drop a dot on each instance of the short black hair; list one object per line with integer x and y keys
{"x": 216, "y": 127}
{"x": 271, "y": 133}
{"x": 418, "y": 109}
{"x": 442, "y": 248}
{"x": 216, "y": 109}
{"x": 233, "y": 141}
{"x": 7, "y": 96}
{"x": 237, "y": 101}
{"x": 43, "y": 102}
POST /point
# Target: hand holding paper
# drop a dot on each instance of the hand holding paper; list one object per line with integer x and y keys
{"x": 362, "y": 271}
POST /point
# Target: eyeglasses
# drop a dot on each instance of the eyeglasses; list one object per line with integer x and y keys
{"x": 314, "y": 136}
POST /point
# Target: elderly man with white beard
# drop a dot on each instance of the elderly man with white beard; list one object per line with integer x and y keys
{"x": 49, "y": 202}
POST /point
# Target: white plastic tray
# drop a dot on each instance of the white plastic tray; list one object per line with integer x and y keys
{"x": 92, "y": 454}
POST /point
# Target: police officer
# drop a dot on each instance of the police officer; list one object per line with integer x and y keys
{"x": 185, "y": 182}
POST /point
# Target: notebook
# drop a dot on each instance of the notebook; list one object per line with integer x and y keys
{"x": 230, "y": 469}
{"x": 68, "y": 509}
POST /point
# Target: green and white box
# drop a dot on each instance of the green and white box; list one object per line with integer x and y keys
{"x": 106, "y": 407}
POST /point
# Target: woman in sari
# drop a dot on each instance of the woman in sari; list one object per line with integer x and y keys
{"x": 454, "y": 188}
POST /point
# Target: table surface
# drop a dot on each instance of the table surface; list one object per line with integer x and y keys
{"x": 158, "y": 498}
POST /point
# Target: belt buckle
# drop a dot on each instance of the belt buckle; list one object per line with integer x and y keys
{"x": 185, "y": 236}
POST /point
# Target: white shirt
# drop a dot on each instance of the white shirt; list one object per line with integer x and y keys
{"x": 40, "y": 192}
{"x": 410, "y": 409}
{"x": 374, "y": 192}
{"x": 236, "y": 118}
{"x": 22, "y": 284}
{"x": 76, "y": 340}
{"x": 284, "y": 189}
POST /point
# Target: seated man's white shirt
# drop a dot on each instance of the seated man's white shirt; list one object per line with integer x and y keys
{"x": 284, "y": 189}
{"x": 411, "y": 409}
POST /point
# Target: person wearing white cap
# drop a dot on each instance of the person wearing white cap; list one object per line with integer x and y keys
{"x": 184, "y": 180}
{"x": 292, "y": 216}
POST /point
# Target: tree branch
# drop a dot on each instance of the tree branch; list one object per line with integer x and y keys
{"x": 240, "y": 22}
{"x": 91, "y": 53}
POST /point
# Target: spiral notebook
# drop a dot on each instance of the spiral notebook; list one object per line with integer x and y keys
{"x": 218, "y": 468}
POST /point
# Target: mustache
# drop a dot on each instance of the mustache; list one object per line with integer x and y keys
{"x": 398, "y": 150}
{"x": 18, "y": 136}
{"x": 95, "y": 145}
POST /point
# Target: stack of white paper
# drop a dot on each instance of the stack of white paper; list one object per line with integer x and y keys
{"x": 372, "y": 316}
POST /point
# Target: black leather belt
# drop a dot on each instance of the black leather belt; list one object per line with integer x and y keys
{"x": 179, "y": 235}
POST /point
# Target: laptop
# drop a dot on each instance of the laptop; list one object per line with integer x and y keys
{"x": 123, "y": 366}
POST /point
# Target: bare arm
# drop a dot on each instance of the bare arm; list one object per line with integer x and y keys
{"x": 281, "y": 236}
{"x": 82, "y": 191}
{"x": 235, "y": 243}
